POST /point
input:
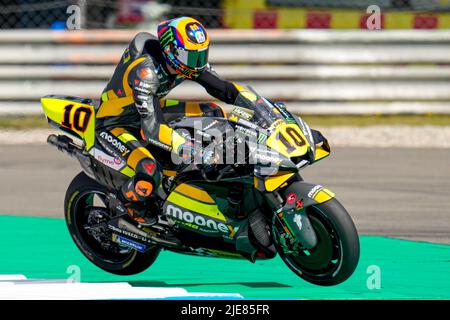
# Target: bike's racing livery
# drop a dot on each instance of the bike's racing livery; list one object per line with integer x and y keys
{"x": 252, "y": 210}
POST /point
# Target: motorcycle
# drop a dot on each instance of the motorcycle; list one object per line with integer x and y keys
{"x": 250, "y": 208}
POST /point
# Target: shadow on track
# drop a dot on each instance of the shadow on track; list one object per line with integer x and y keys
{"x": 246, "y": 284}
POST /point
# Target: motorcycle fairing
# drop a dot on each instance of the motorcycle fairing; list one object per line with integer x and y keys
{"x": 197, "y": 200}
{"x": 191, "y": 207}
{"x": 298, "y": 197}
{"x": 272, "y": 183}
{"x": 288, "y": 140}
{"x": 320, "y": 153}
{"x": 75, "y": 116}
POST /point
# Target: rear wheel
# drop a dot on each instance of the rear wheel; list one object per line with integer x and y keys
{"x": 336, "y": 255}
{"x": 87, "y": 214}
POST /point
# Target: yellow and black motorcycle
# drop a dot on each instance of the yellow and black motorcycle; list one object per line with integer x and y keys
{"x": 251, "y": 206}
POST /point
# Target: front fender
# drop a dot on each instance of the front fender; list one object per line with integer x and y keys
{"x": 308, "y": 193}
{"x": 292, "y": 216}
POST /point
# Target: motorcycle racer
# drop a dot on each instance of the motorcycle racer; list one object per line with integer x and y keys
{"x": 132, "y": 107}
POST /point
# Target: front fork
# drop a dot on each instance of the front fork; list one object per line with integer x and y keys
{"x": 290, "y": 220}
{"x": 297, "y": 231}
{"x": 294, "y": 227}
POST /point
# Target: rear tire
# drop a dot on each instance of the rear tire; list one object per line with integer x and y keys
{"x": 336, "y": 256}
{"x": 78, "y": 205}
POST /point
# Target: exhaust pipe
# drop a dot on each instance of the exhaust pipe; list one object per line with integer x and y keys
{"x": 64, "y": 144}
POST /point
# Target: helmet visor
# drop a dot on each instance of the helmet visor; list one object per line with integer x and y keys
{"x": 193, "y": 59}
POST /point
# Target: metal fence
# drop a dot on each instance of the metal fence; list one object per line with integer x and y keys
{"x": 318, "y": 72}
{"x": 283, "y": 14}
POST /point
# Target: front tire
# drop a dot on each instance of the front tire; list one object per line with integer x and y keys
{"x": 334, "y": 259}
{"x": 80, "y": 210}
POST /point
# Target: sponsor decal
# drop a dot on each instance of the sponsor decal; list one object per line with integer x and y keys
{"x": 141, "y": 97}
{"x": 165, "y": 38}
{"x": 128, "y": 243}
{"x": 266, "y": 158}
{"x": 144, "y": 72}
{"x": 262, "y": 137}
{"x": 246, "y": 131}
{"x": 109, "y": 161}
{"x": 203, "y": 134}
{"x": 150, "y": 167}
{"x": 242, "y": 113}
{"x": 113, "y": 162}
{"x": 199, "y": 222}
{"x": 313, "y": 192}
{"x": 108, "y": 149}
{"x": 126, "y": 55}
{"x": 129, "y": 234}
{"x": 276, "y": 124}
{"x": 299, "y": 204}
{"x": 247, "y": 123}
{"x": 144, "y": 84}
{"x": 298, "y": 221}
{"x": 291, "y": 198}
{"x": 160, "y": 144}
{"x": 142, "y": 90}
{"x": 233, "y": 231}
{"x": 195, "y": 33}
{"x": 119, "y": 146}
{"x": 209, "y": 126}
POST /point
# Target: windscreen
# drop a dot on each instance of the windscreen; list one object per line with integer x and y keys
{"x": 264, "y": 114}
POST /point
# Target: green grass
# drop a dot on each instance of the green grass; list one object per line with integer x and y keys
{"x": 23, "y": 122}
{"x": 38, "y": 121}
{"x": 43, "y": 249}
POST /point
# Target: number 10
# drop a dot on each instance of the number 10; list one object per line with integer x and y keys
{"x": 75, "y": 121}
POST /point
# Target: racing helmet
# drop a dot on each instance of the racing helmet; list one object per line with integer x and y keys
{"x": 185, "y": 45}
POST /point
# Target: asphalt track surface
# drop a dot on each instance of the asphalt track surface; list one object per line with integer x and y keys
{"x": 395, "y": 192}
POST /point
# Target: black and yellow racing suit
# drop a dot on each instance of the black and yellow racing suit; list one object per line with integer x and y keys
{"x": 132, "y": 106}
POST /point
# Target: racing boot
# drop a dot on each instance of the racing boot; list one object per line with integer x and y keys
{"x": 139, "y": 212}
{"x": 133, "y": 196}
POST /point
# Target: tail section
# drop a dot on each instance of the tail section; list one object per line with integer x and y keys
{"x": 75, "y": 116}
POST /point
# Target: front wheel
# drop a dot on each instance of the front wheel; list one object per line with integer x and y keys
{"x": 85, "y": 210}
{"x": 336, "y": 255}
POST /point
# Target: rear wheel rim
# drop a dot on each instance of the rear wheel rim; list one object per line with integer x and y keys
{"x": 110, "y": 252}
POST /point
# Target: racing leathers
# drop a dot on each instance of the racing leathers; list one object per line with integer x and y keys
{"x": 132, "y": 109}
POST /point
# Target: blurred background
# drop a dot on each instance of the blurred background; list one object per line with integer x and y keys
{"x": 372, "y": 76}
{"x": 323, "y": 57}
{"x": 248, "y": 14}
